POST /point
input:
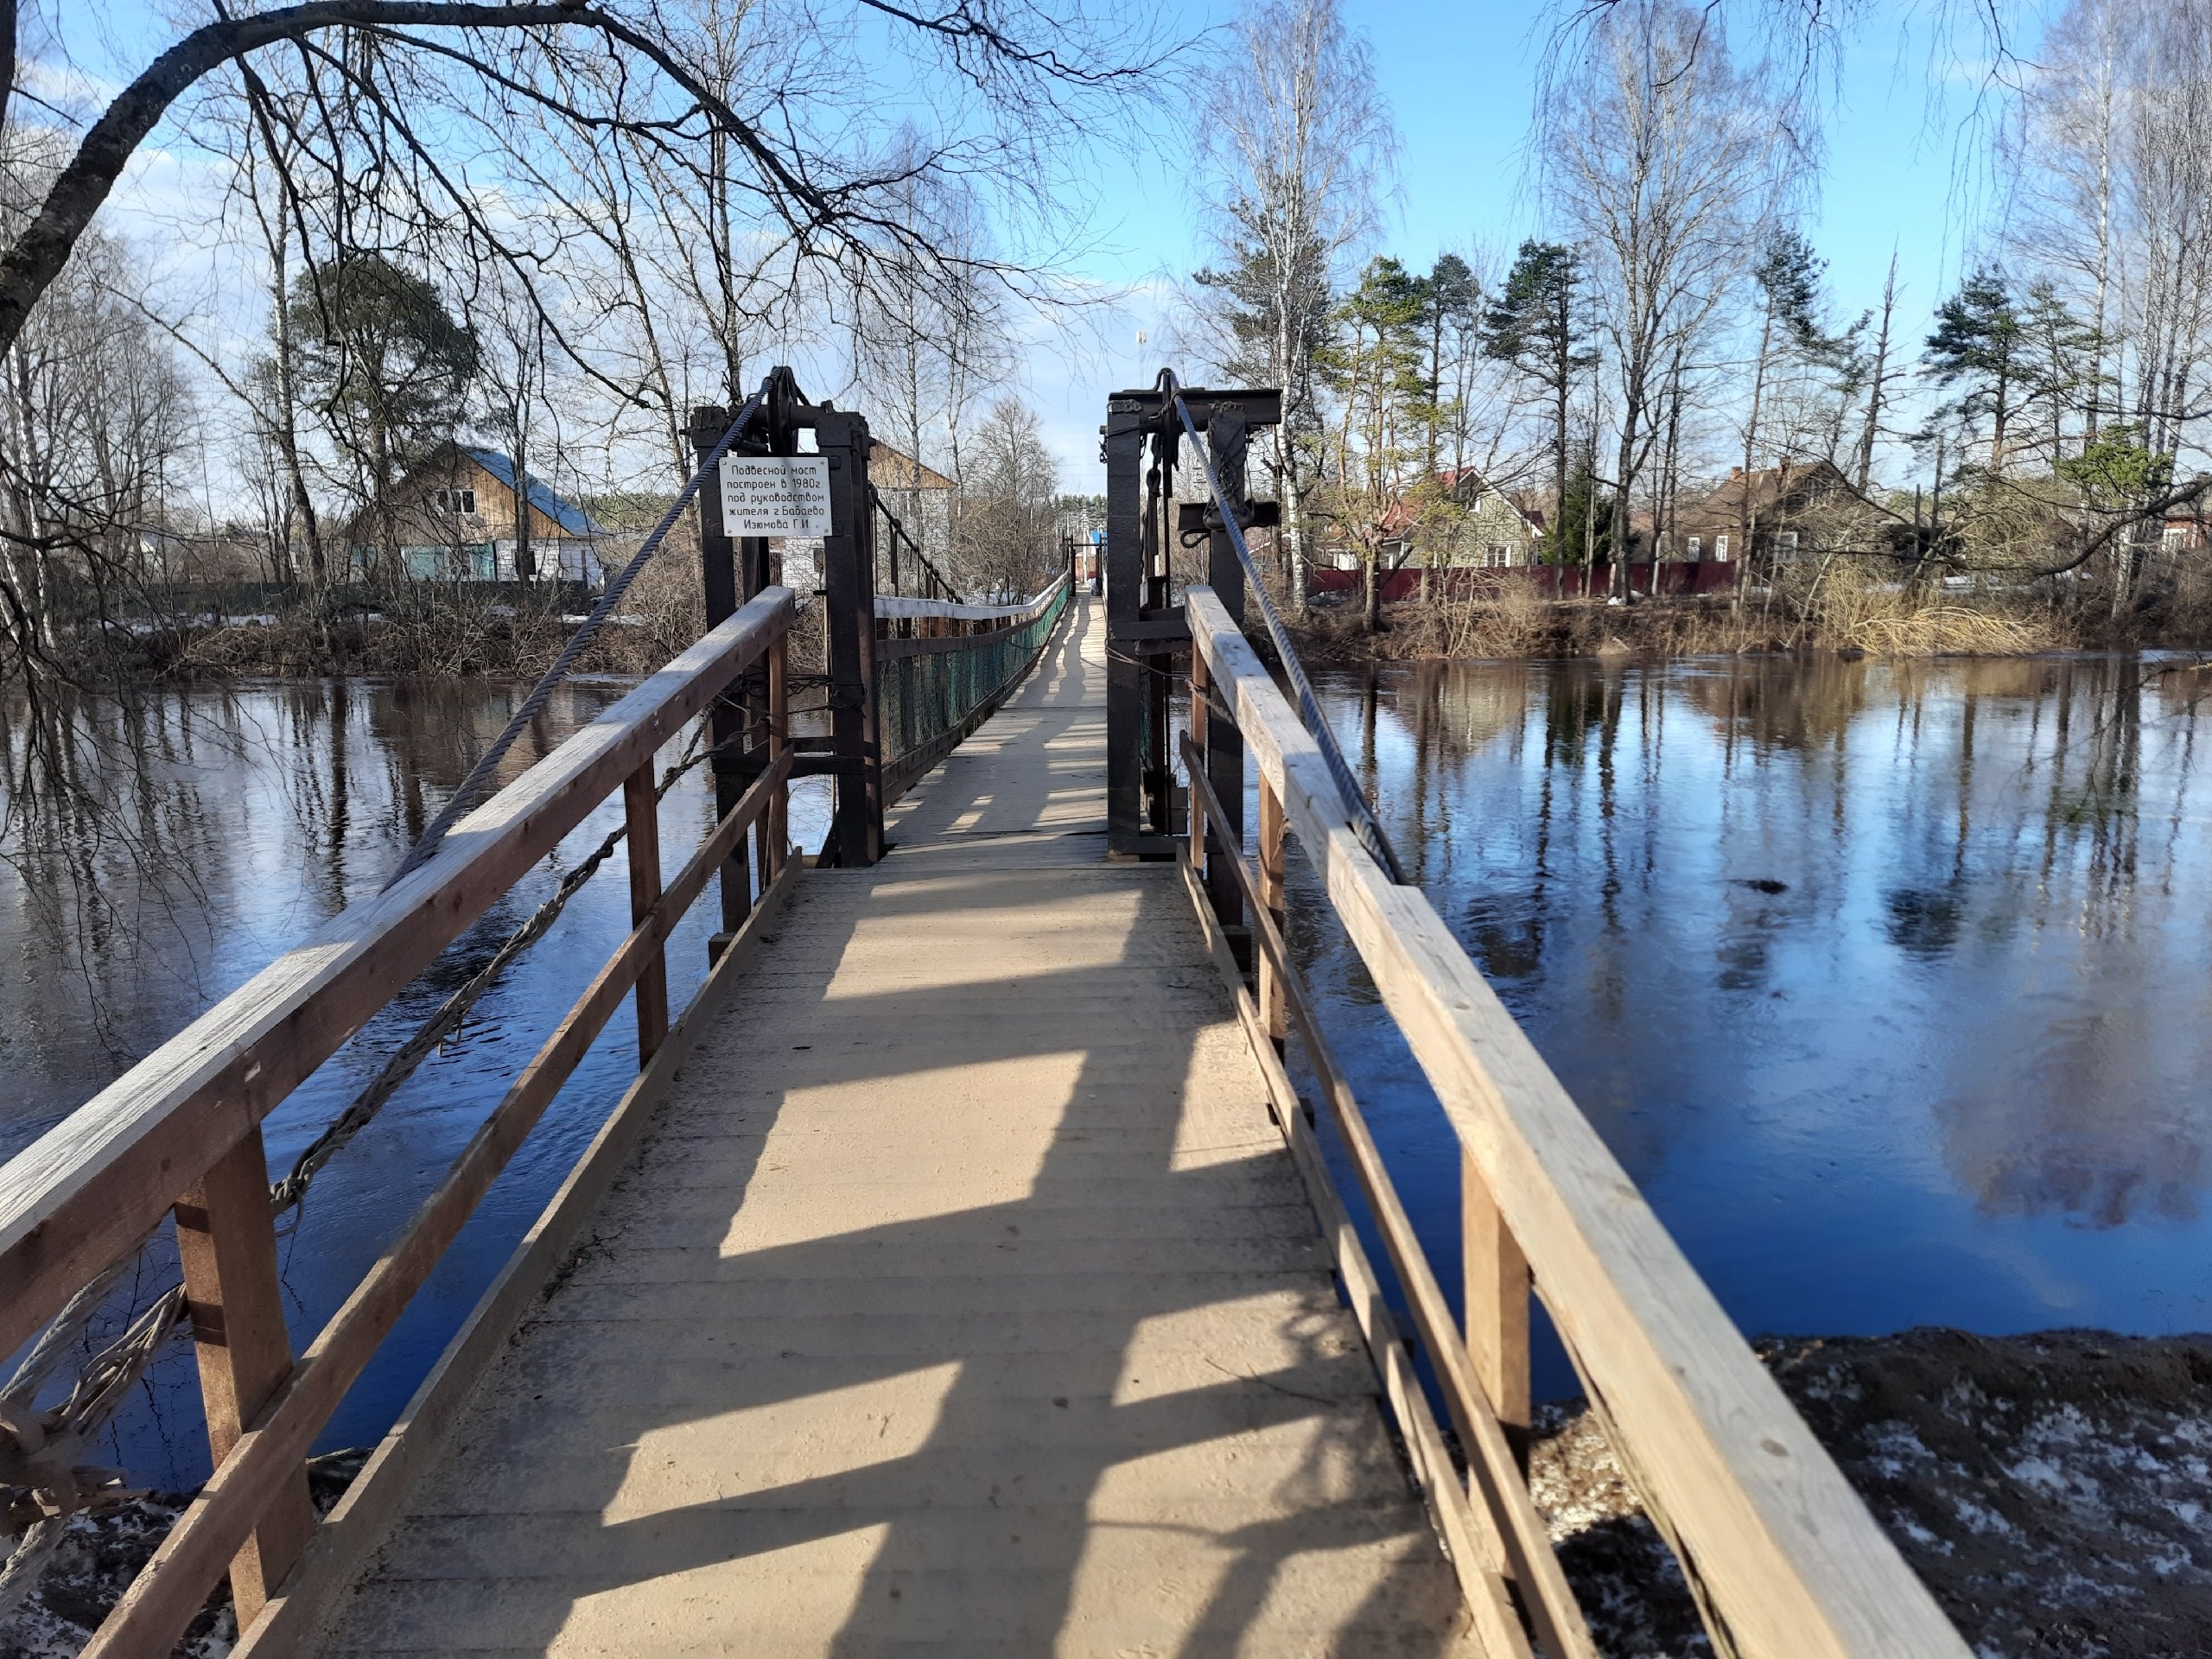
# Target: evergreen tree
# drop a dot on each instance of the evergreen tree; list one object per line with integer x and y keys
{"x": 382, "y": 362}
{"x": 1787, "y": 280}
{"x": 1584, "y": 532}
{"x": 1978, "y": 345}
{"x": 1789, "y": 277}
{"x": 1537, "y": 324}
{"x": 2061, "y": 358}
{"x": 1374, "y": 364}
{"x": 1277, "y": 323}
{"x": 1450, "y": 305}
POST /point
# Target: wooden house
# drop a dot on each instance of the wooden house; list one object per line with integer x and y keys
{"x": 1785, "y": 507}
{"x": 462, "y": 516}
{"x": 1497, "y": 531}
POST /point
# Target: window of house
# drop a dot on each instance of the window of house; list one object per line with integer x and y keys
{"x": 1785, "y": 544}
{"x": 1497, "y": 553}
{"x": 460, "y": 501}
{"x": 2174, "y": 537}
{"x": 1720, "y": 549}
{"x": 1697, "y": 547}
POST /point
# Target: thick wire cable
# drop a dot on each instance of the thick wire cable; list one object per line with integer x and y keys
{"x": 875, "y": 498}
{"x": 43, "y": 1452}
{"x": 1365, "y": 823}
{"x": 464, "y": 798}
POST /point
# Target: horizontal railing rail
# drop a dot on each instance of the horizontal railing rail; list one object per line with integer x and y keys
{"x": 181, "y": 1130}
{"x": 891, "y": 607}
{"x": 1781, "y": 1554}
{"x": 938, "y": 682}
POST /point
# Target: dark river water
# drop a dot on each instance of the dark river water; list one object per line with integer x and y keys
{"x": 1887, "y": 983}
{"x": 231, "y": 823}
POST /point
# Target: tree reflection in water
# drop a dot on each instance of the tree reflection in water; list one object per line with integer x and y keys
{"x": 1887, "y": 981}
{"x": 202, "y": 831}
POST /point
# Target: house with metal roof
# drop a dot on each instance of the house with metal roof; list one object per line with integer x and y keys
{"x": 460, "y": 516}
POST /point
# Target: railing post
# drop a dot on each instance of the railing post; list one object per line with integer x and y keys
{"x": 1202, "y": 852}
{"x": 641, "y": 811}
{"x": 848, "y": 577}
{"x": 1497, "y": 1288}
{"x": 1274, "y": 1002}
{"x": 718, "y": 560}
{"x": 776, "y": 821}
{"x": 1226, "y": 438}
{"x": 1126, "y": 668}
{"x": 226, "y": 1240}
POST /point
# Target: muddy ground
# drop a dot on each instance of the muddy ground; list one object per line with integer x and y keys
{"x": 100, "y": 1553}
{"x": 2054, "y": 1490}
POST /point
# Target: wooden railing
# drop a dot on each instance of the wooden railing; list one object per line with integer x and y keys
{"x": 942, "y": 668}
{"x": 181, "y": 1130}
{"x": 1784, "y": 1558}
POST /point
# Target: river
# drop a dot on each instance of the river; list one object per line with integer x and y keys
{"x": 1887, "y": 983}
{"x": 204, "y": 832}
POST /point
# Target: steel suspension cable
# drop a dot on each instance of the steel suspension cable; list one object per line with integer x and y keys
{"x": 1364, "y": 824}
{"x": 464, "y": 798}
{"x": 40, "y": 1451}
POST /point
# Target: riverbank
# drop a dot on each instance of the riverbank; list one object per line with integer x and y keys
{"x": 99, "y": 1555}
{"x": 1517, "y": 624}
{"x": 2052, "y": 1490}
{"x": 419, "y": 631}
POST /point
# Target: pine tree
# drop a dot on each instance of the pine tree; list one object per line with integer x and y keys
{"x": 1374, "y": 364}
{"x": 1788, "y": 281}
{"x": 1450, "y": 302}
{"x": 1538, "y": 325}
{"x": 1978, "y": 342}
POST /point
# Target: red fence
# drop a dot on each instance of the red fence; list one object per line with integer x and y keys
{"x": 1552, "y": 581}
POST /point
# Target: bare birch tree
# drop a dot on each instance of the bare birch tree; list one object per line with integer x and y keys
{"x": 1297, "y": 145}
{"x": 1657, "y": 156}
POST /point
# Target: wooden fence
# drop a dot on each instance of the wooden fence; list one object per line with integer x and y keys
{"x": 1784, "y": 1558}
{"x": 943, "y": 668}
{"x": 181, "y": 1130}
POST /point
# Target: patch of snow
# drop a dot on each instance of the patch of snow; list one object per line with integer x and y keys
{"x": 1974, "y": 1518}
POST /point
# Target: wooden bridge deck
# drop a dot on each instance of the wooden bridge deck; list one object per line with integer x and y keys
{"x": 962, "y": 1299}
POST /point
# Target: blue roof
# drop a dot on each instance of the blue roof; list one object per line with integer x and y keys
{"x": 566, "y": 513}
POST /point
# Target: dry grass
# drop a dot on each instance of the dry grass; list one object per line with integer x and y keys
{"x": 1808, "y": 608}
{"x": 432, "y": 631}
{"x": 1943, "y": 631}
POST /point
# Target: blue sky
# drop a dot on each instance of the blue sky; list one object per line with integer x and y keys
{"x": 1457, "y": 78}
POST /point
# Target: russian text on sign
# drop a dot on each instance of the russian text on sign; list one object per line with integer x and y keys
{"x": 776, "y": 495}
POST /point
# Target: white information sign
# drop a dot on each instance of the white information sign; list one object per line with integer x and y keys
{"x": 776, "y": 495}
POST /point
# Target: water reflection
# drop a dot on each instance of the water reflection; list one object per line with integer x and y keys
{"x": 201, "y": 833}
{"x": 1888, "y": 982}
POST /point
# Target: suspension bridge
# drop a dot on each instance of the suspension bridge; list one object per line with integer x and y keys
{"x": 963, "y": 1271}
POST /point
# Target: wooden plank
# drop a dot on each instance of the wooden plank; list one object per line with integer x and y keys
{"x": 887, "y": 605}
{"x": 161, "y": 1601}
{"x": 1269, "y": 900}
{"x": 1785, "y": 1548}
{"x": 1497, "y": 1303}
{"x": 352, "y": 1532}
{"x": 1476, "y": 1560}
{"x": 1253, "y": 1446}
{"x": 773, "y": 836}
{"x": 226, "y": 1243}
{"x": 641, "y": 813}
{"x": 87, "y": 1189}
{"x": 1517, "y": 1533}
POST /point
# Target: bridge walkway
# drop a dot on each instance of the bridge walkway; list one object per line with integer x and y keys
{"x": 962, "y": 1299}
